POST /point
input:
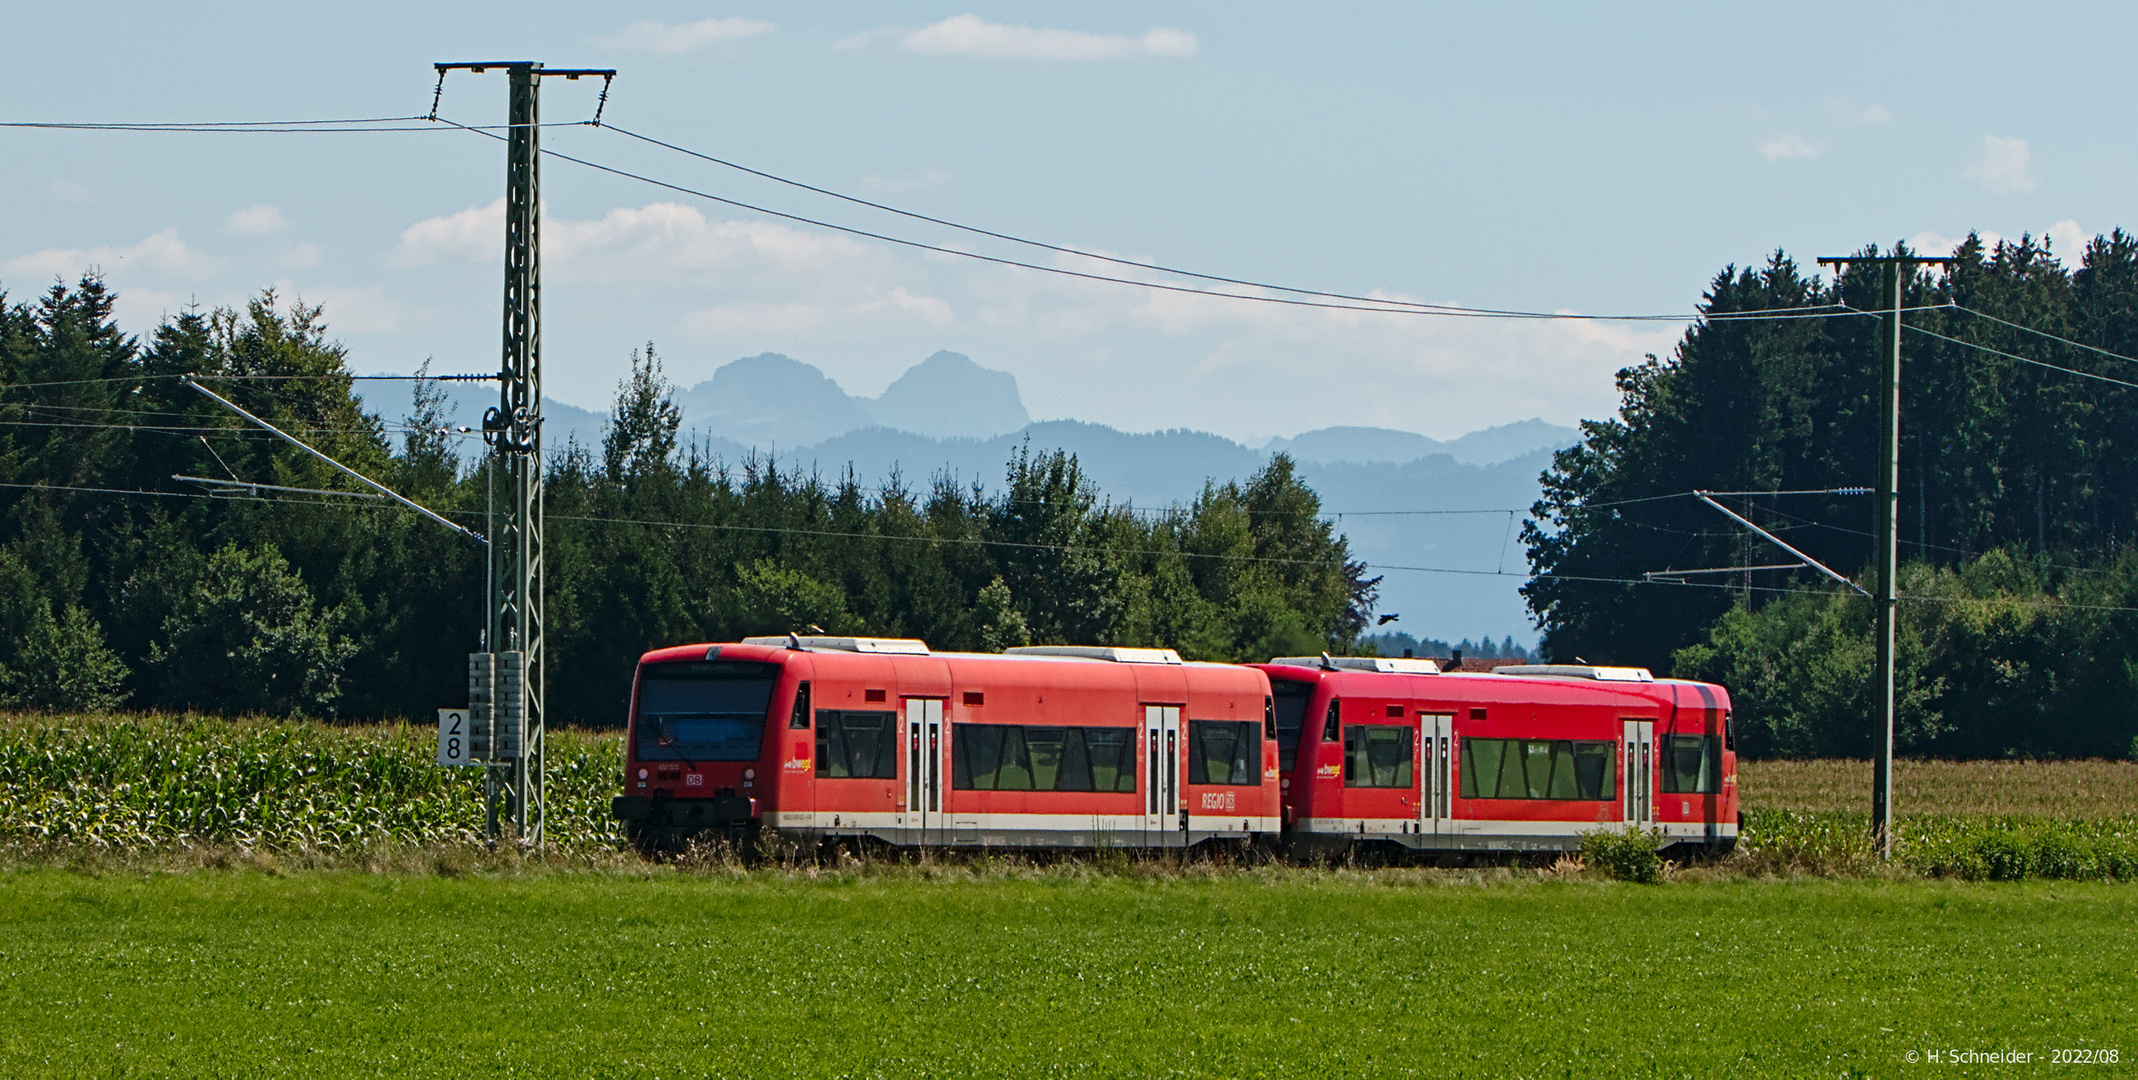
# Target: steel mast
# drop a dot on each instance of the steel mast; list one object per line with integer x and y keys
{"x": 511, "y": 690}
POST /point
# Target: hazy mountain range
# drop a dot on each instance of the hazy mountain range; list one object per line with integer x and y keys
{"x": 1403, "y": 499}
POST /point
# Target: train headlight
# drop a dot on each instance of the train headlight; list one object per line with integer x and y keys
{"x": 642, "y": 774}
{"x": 749, "y": 774}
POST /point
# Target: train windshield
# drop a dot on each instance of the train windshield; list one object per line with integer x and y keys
{"x": 705, "y": 710}
{"x": 1291, "y": 712}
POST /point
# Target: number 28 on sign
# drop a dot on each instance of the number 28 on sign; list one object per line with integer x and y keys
{"x": 453, "y": 737}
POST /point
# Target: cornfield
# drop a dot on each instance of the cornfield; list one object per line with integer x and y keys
{"x": 2065, "y": 789}
{"x": 159, "y": 782}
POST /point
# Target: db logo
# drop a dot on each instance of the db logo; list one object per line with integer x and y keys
{"x": 694, "y": 780}
{"x": 1217, "y": 800}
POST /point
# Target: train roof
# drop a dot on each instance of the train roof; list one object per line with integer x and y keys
{"x": 1154, "y": 670}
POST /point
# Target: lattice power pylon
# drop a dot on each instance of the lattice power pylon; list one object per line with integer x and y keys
{"x": 506, "y": 682}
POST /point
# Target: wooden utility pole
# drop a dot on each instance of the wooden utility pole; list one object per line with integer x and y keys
{"x": 1888, "y": 541}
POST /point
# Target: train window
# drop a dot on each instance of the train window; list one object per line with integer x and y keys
{"x": 1329, "y": 722}
{"x": 1691, "y": 764}
{"x": 1225, "y": 752}
{"x": 1013, "y": 757}
{"x": 1729, "y": 734}
{"x": 1566, "y": 769}
{"x": 857, "y": 745}
{"x": 1377, "y": 755}
{"x": 799, "y": 719}
{"x": 703, "y": 711}
{"x": 1291, "y": 707}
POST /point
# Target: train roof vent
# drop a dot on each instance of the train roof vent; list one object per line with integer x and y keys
{"x": 1390, "y": 664}
{"x": 891, "y": 645}
{"x": 1579, "y": 671}
{"x": 1114, "y": 653}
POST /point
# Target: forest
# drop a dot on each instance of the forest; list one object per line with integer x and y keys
{"x": 2018, "y": 504}
{"x": 158, "y": 552}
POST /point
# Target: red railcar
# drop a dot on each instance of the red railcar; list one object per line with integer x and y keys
{"x": 1393, "y": 752}
{"x": 823, "y": 738}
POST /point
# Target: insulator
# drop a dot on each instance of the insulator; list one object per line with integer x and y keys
{"x": 510, "y": 731}
{"x": 482, "y": 703}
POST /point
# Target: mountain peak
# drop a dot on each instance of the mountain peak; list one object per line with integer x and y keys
{"x": 950, "y": 396}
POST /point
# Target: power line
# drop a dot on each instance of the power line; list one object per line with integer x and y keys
{"x": 1386, "y": 307}
{"x": 2043, "y": 333}
{"x": 2022, "y": 359}
{"x": 1351, "y": 302}
{"x": 1163, "y": 269}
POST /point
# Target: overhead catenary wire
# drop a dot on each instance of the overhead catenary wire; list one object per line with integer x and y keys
{"x": 1156, "y": 267}
{"x": 2042, "y": 333}
{"x": 1371, "y": 306}
{"x": 1349, "y": 301}
{"x": 2022, "y": 359}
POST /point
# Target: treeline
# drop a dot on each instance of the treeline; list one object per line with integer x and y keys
{"x": 121, "y": 585}
{"x": 2018, "y": 497}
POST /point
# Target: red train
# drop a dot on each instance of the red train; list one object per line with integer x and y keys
{"x": 1396, "y": 754}
{"x": 828, "y": 738}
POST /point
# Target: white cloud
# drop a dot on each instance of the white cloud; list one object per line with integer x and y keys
{"x": 1935, "y": 243}
{"x": 138, "y": 310}
{"x": 68, "y": 190}
{"x": 918, "y": 178}
{"x": 758, "y": 318}
{"x": 163, "y": 253}
{"x": 1782, "y": 147}
{"x": 257, "y": 221}
{"x": 301, "y": 256}
{"x": 652, "y": 243}
{"x": 475, "y": 233}
{"x": 648, "y": 35}
{"x": 364, "y": 310}
{"x": 2000, "y": 165}
{"x": 1845, "y": 110}
{"x": 863, "y": 39}
{"x": 970, "y": 35}
{"x": 2068, "y": 241}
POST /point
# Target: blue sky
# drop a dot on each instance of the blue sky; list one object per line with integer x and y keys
{"x": 1561, "y": 157}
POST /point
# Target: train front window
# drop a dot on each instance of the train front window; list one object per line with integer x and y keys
{"x": 703, "y": 711}
{"x": 1291, "y": 707}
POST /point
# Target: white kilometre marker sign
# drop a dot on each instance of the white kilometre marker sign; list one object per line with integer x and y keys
{"x": 453, "y": 737}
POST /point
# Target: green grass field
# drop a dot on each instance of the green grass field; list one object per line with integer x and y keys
{"x": 1057, "y": 972}
{"x": 192, "y": 896}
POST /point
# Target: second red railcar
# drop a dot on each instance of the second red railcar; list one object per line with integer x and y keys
{"x": 1394, "y": 753}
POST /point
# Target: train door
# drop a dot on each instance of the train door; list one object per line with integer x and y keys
{"x": 1161, "y": 725}
{"x": 1436, "y": 774}
{"x": 1638, "y": 802}
{"x": 924, "y": 770}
